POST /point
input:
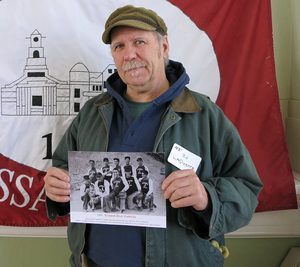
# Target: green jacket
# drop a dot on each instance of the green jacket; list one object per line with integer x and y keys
{"x": 226, "y": 170}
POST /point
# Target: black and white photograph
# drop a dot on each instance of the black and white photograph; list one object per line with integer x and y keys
{"x": 117, "y": 188}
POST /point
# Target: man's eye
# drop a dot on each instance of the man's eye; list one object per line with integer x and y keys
{"x": 139, "y": 42}
{"x": 118, "y": 46}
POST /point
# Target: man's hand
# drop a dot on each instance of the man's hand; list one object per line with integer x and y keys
{"x": 183, "y": 188}
{"x": 57, "y": 185}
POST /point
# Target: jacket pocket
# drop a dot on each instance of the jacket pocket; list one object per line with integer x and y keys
{"x": 214, "y": 256}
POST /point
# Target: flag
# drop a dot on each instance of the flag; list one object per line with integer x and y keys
{"x": 241, "y": 33}
{"x": 23, "y": 195}
{"x": 53, "y": 61}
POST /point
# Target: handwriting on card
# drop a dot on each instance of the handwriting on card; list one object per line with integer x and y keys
{"x": 183, "y": 159}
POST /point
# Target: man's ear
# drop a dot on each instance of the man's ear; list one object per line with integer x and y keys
{"x": 165, "y": 46}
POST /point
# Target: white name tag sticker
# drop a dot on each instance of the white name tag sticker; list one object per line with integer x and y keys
{"x": 184, "y": 159}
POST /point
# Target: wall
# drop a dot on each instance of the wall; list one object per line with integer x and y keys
{"x": 34, "y": 252}
{"x": 48, "y": 252}
{"x": 286, "y": 26}
{"x": 282, "y": 35}
{"x": 293, "y": 115}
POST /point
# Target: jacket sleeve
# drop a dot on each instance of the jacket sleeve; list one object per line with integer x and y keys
{"x": 230, "y": 179}
{"x": 233, "y": 189}
{"x": 60, "y": 160}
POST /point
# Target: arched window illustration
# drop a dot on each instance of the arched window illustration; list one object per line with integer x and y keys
{"x": 36, "y": 54}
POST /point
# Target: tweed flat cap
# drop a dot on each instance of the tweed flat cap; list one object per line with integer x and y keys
{"x": 135, "y": 17}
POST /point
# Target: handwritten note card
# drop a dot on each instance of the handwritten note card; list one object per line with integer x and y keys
{"x": 183, "y": 159}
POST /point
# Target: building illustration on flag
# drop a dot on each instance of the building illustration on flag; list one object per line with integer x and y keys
{"x": 38, "y": 93}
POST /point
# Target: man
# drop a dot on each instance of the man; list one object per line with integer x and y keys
{"x": 117, "y": 165}
{"x": 92, "y": 171}
{"x": 140, "y": 168}
{"x": 116, "y": 199}
{"x": 106, "y": 171}
{"x": 128, "y": 167}
{"x": 149, "y": 108}
{"x": 84, "y": 192}
{"x": 134, "y": 194}
{"x": 94, "y": 197}
{"x": 102, "y": 188}
{"x": 147, "y": 190}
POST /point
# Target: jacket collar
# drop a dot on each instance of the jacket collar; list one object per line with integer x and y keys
{"x": 184, "y": 103}
{"x": 105, "y": 98}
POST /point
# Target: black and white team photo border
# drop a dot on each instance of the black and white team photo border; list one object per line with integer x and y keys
{"x": 118, "y": 188}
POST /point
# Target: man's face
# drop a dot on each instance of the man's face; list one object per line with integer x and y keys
{"x": 139, "y": 59}
{"x": 144, "y": 176}
{"x": 140, "y": 163}
{"x": 100, "y": 178}
{"x": 116, "y": 162}
{"x": 92, "y": 188}
{"x": 127, "y": 160}
{"x": 116, "y": 173}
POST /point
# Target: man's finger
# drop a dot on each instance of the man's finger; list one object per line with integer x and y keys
{"x": 180, "y": 193}
{"x": 58, "y": 191}
{"x": 174, "y": 176}
{"x": 59, "y": 173}
{"x": 183, "y": 202}
{"x": 57, "y": 185}
{"x": 175, "y": 185}
{"x": 58, "y": 198}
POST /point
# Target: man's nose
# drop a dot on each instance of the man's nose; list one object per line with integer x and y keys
{"x": 130, "y": 53}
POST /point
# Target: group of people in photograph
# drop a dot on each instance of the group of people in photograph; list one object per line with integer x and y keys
{"x": 116, "y": 188}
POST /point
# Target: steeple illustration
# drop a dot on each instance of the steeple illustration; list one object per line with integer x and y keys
{"x": 36, "y": 62}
